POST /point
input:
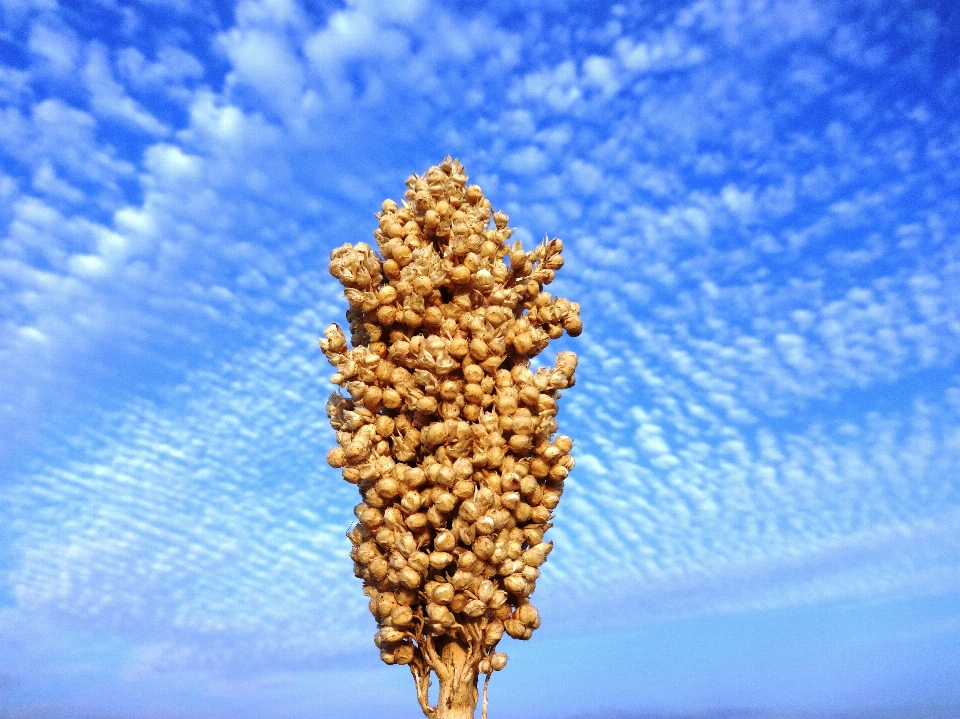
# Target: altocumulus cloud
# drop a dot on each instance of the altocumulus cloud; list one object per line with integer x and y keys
{"x": 213, "y": 520}
{"x": 760, "y": 210}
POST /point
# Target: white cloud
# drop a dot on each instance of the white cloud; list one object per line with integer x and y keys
{"x": 269, "y": 12}
{"x": 349, "y": 35}
{"x": 587, "y": 177}
{"x": 219, "y": 124}
{"x": 558, "y": 87}
{"x": 599, "y": 72}
{"x": 791, "y": 346}
{"x": 14, "y": 84}
{"x": 740, "y": 203}
{"x": 18, "y": 8}
{"x": 517, "y": 124}
{"x": 33, "y": 334}
{"x": 45, "y": 180}
{"x": 265, "y": 62}
{"x": 171, "y": 531}
{"x": 171, "y": 166}
{"x": 529, "y": 160}
{"x": 63, "y": 136}
{"x": 173, "y": 66}
{"x": 59, "y": 48}
{"x": 805, "y": 485}
{"x": 109, "y": 99}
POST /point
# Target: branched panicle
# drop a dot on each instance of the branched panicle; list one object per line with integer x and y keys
{"x": 446, "y": 431}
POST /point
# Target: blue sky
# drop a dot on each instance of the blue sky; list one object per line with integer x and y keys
{"x": 761, "y": 207}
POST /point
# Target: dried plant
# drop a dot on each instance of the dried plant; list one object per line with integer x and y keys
{"x": 447, "y": 432}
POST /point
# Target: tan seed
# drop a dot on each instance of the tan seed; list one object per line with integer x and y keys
{"x": 403, "y": 654}
{"x": 401, "y": 616}
{"x": 516, "y": 584}
{"x": 443, "y": 594}
{"x": 336, "y": 457}
{"x": 439, "y": 560}
{"x": 416, "y": 521}
{"x": 515, "y": 628}
{"x": 475, "y": 608}
{"x": 445, "y": 502}
{"x": 485, "y": 591}
{"x": 409, "y": 578}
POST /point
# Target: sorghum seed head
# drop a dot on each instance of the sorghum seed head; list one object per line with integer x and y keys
{"x": 444, "y": 428}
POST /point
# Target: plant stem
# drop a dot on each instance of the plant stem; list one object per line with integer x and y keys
{"x": 458, "y": 690}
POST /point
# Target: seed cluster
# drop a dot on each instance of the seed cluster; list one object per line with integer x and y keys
{"x": 445, "y": 429}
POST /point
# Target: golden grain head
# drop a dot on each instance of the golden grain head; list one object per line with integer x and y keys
{"x": 444, "y": 428}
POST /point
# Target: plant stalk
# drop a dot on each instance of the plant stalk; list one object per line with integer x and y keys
{"x": 458, "y": 683}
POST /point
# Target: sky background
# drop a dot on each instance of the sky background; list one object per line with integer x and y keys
{"x": 761, "y": 207}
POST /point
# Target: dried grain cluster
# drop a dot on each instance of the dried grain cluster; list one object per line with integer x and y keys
{"x": 447, "y": 432}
